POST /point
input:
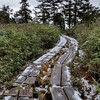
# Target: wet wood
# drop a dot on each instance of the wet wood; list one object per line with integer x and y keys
{"x": 1, "y": 94}
{"x": 34, "y": 73}
{"x": 65, "y": 76}
{"x": 38, "y": 67}
{"x": 16, "y": 84}
{"x": 58, "y": 93}
{"x": 29, "y": 67}
{"x": 26, "y": 72}
{"x": 69, "y": 91}
{"x": 30, "y": 80}
{"x": 55, "y": 50}
{"x": 11, "y": 92}
{"x": 56, "y": 75}
{"x": 9, "y": 98}
{"x": 25, "y": 98}
{"x": 50, "y": 54}
{"x": 69, "y": 59}
{"x": 20, "y": 79}
{"x": 62, "y": 41}
{"x": 63, "y": 58}
{"x": 26, "y": 92}
{"x": 40, "y": 60}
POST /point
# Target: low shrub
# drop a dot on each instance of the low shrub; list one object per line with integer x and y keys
{"x": 89, "y": 40}
{"x": 20, "y": 43}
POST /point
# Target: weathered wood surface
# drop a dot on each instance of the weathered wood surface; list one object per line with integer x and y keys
{"x": 25, "y": 98}
{"x": 9, "y": 98}
{"x": 58, "y": 93}
{"x": 28, "y": 70}
{"x": 56, "y": 75}
{"x": 62, "y": 42}
{"x": 34, "y": 73}
{"x": 65, "y": 91}
{"x": 11, "y": 92}
{"x": 65, "y": 76}
{"x": 69, "y": 91}
{"x": 20, "y": 79}
{"x": 26, "y": 73}
{"x": 26, "y": 92}
{"x": 30, "y": 80}
{"x": 63, "y": 58}
{"x": 55, "y": 50}
{"x": 16, "y": 94}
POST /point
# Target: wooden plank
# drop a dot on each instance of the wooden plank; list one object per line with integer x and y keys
{"x": 50, "y": 54}
{"x": 1, "y": 93}
{"x": 34, "y": 73}
{"x": 56, "y": 75}
{"x": 55, "y": 50}
{"x": 63, "y": 58}
{"x": 65, "y": 76}
{"x": 9, "y": 98}
{"x": 20, "y": 79}
{"x": 30, "y": 80}
{"x": 26, "y": 72}
{"x": 25, "y": 98}
{"x": 29, "y": 67}
{"x": 58, "y": 93}
{"x": 69, "y": 58}
{"x": 26, "y": 92}
{"x": 69, "y": 91}
{"x": 17, "y": 84}
{"x": 62, "y": 41}
{"x": 49, "y": 58}
{"x": 11, "y": 92}
{"x": 38, "y": 67}
{"x": 40, "y": 60}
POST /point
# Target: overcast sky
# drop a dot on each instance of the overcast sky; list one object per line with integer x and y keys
{"x": 14, "y": 4}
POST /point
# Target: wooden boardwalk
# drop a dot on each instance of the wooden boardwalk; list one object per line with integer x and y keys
{"x": 53, "y": 67}
{"x": 60, "y": 78}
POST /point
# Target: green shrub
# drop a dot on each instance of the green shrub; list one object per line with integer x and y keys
{"x": 20, "y": 43}
{"x": 92, "y": 48}
{"x": 89, "y": 40}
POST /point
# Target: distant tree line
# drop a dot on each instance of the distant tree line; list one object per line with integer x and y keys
{"x": 21, "y": 16}
{"x": 61, "y": 13}
{"x": 66, "y": 12}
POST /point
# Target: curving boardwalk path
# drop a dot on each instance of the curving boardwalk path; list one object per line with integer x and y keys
{"x": 60, "y": 78}
{"x": 49, "y": 73}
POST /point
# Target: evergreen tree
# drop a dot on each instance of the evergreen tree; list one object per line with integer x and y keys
{"x": 48, "y": 11}
{"x": 68, "y": 12}
{"x": 79, "y": 11}
{"x": 42, "y": 11}
{"x": 89, "y": 13}
{"x": 56, "y": 6}
{"x": 5, "y": 14}
{"x": 24, "y": 12}
{"x": 85, "y": 12}
{"x": 76, "y": 6}
{"x": 59, "y": 20}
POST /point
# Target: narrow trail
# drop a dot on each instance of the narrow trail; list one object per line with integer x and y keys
{"x": 48, "y": 78}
